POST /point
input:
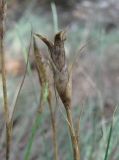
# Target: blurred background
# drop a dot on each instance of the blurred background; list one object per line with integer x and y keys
{"x": 93, "y": 47}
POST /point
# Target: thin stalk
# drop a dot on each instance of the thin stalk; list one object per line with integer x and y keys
{"x": 2, "y": 61}
{"x": 8, "y": 139}
{"x": 78, "y": 124}
{"x": 75, "y": 145}
{"x": 24, "y": 52}
{"x": 53, "y": 123}
{"x": 21, "y": 83}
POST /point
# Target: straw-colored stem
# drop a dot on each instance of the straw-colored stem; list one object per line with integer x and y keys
{"x": 53, "y": 123}
{"x": 8, "y": 140}
{"x": 76, "y": 151}
{"x": 2, "y": 58}
{"x": 2, "y": 62}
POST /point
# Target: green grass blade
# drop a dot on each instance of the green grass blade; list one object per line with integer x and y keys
{"x": 110, "y": 135}
{"x": 55, "y": 17}
{"x": 109, "y": 140}
{"x": 32, "y": 136}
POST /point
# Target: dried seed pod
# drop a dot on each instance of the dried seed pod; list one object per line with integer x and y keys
{"x": 58, "y": 54}
{"x": 58, "y": 61}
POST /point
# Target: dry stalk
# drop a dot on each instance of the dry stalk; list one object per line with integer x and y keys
{"x": 2, "y": 62}
{"x": 21, "y": 84}
{"x": 53, "y": 122}
{"x": 44, "y": 72}
{"x": 63, "y": 81}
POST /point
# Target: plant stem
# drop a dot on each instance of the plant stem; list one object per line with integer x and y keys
{"x": 8, "y": 140}
{"x": 53, "y": 122}
{"x": 2, "y": 58}
{"x": 76, "y": 151}
{"x": 2, "y": 62}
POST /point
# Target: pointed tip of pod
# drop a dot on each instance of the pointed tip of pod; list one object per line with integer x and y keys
{"x": 49, "y": 44}
{"x": 61, "y": 36}
{"x": 39, "y": 36}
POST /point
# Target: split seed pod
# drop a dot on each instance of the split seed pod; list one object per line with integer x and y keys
{"x": 58, "y": 61}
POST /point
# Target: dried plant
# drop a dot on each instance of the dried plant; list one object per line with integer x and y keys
{"x": 8, "y": 117}
{"x": 63, "y": 81}
{"x": 46, "y": 80}
{"x": 5, "y": 98}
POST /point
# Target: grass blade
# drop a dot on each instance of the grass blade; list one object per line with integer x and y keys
{"x": 108, "y": 142}
{"x": 109, "y": 136}
{"x": 31, "y": 139}
{"x": 55, "y": 18}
